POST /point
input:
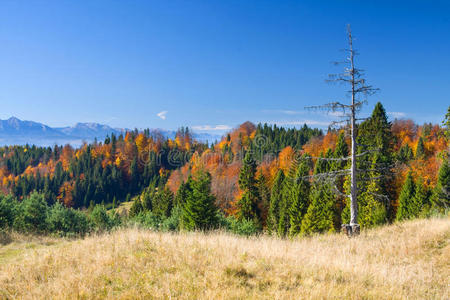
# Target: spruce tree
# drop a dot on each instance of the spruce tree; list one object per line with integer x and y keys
{"x": 275, "y": 200}
{"x": 146, "y": 197}
{"x": 440, "y": 199}
{"x": 264, "y": 197}
{"x": 183, "y": 192}
{"x": 372, "y": 210}
{"x": 321, "y": 213}
{"x": 406, "y": 198}
{"x": 287, "y": 196}
{"x": 373, "y": 203}
{"x": 420, "y": 199}
{"x": 134, "y": 175}
{"x": 340, "y": 153}
{"x": 405, "y": 154}
{"x": 136, "y": 208}
{"x": 199, "y": 211}
{"x": 420, "y": 149}
{"x": 248, "y": 209}
{"x": 300, "y": 196}
{"x": 375, "y": 137}
{"x": 162, "y": 202}
{"x": 446, "y": 123}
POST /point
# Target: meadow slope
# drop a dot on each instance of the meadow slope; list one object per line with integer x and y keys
{"x": 407, "y": 260}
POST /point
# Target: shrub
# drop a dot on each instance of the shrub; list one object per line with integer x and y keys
{"x": 147, "y": 220}
{"x": 243, "y": 227}
{"x": 7, "y": 208}
{"x": 31, "y": 214}
{"x": 172, "y": 223}
{"x": 67, "y": 221}
{"x": 100, "y": 219}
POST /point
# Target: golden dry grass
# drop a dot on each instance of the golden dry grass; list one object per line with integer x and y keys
{"x": 409, "y": 260}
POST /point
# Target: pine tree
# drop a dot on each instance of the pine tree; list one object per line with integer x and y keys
{"x": 136, "y": 208}
{"x": 248, "y": 209}
{"x": 264, "y": 197}
{"x": 199, "y": 211}
{"x": 162, "y": 202}
{"x": 372, "y": 211}
{"x": 446, "y": 123}
{"x": 341, "y": 151}
{"x": 300, "y": 196}
{"x": 406, "y": 198}
{"x": 183, "y": 192}
{"x": 373, "y": 202}
{"x": 134, "y": 175}
{"x": 405, "y": 154}
{"x": 420, "y": 199}
{"x": 147, "y": 200}
{"x": 320, "y": 214}
{"x": 420, "y": 149}
{"x": 287, "y": 197}
{"x": 440, "y": 199}
{"x": 375, "y": 136}
{"x": 275, "y": 200}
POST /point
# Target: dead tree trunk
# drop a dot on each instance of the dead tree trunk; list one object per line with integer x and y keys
{"x": 353, "y": 185}
{"x": 358, "y": 91}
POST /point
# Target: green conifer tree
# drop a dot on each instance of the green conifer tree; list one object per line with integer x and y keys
{"x": 264, "y": 197}
{"x": 420, "y": 149}
{"x": 406, "y": 198}
{"x": 320, "y": 214}
{"x": 136, "y": 208}
{"x": 446, "y": 123}
{"x": 162, "y": 202}
{"x": 248, "y": 208}
{"x": 373, "y": 202}
{"x": 287, "y": 197}
{"x": 341, "y": 152}
{"x": 420, "y": 199}
{"x": 440, "y": 200}
{"x": 376, "y": 140}
{"x": 199, "y": 211}
{"x": 183, "y": 192}
{"x": 300, "y": 196}
{"x": 275, "y": 200}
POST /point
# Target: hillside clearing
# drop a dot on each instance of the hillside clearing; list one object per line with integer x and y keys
{"x": 407, "y": 260}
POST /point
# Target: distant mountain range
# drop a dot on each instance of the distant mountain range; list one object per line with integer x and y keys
{"x": 14, "y": 131}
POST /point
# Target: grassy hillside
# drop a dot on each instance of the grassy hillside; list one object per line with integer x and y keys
{"x": 409, "y": 260}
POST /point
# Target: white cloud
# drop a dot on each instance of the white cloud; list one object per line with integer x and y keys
{"x": 162, "y": 114}
{"x": 396, "y": 114}
{"x": 302, "y": 122}
{"x": 211, "y": 128}
{"x": 337, "y": 113}
{"x": 284, "y": 111}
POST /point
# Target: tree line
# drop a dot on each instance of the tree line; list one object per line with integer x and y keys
{"x": 285, "y": 195}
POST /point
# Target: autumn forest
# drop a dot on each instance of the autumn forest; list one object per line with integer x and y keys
{"x": 258, "y": 178}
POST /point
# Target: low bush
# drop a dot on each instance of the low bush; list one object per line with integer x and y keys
{"x": 101, "y": 220}
{"x": 146, "y": 220}
{"x": 240, "y": 227}
{"x": 67, "y": 221}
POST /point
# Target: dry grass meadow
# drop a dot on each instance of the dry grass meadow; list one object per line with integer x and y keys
{"x": 402, "y": 261}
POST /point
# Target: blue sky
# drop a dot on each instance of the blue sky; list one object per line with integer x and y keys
{"x": 215, "y": 64}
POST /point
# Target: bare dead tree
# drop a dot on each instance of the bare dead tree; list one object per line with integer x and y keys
{"x": 359, "y": 90}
